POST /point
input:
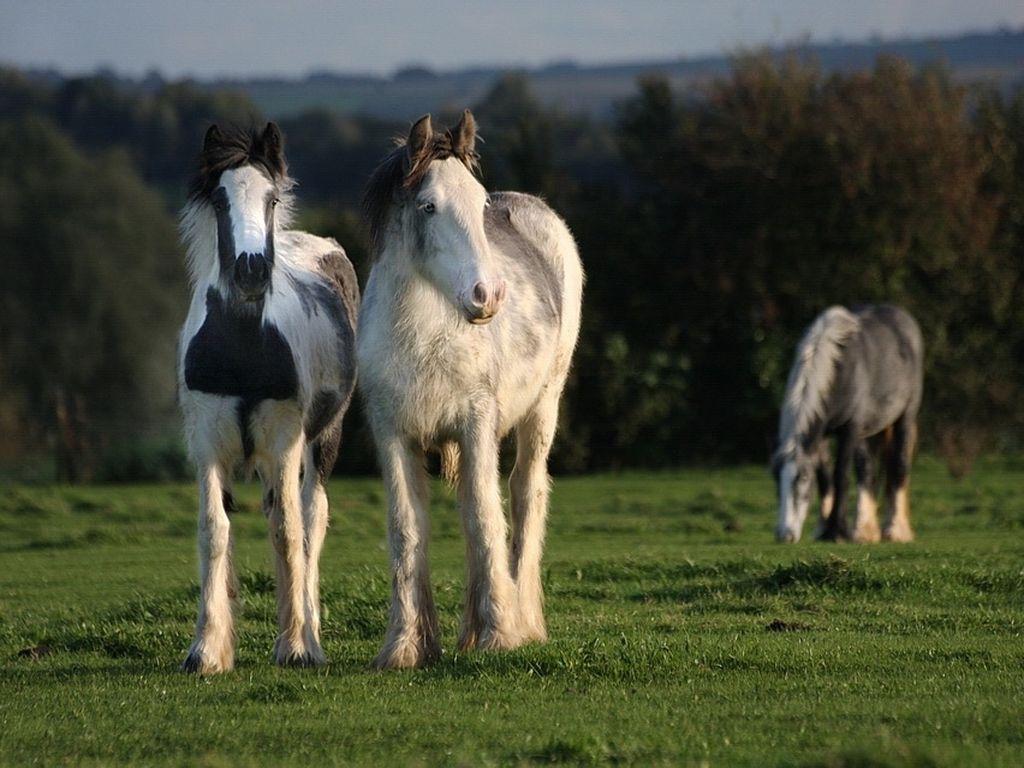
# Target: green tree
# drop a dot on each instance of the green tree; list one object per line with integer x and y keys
{"x": 92, "y": 295}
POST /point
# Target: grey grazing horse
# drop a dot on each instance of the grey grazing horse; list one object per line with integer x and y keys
{"x": 467, "y": 332}
{"x": 858, "y": 377}
{"x": 266, "y": 370}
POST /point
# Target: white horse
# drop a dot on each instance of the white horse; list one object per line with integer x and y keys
{"x": 467, "y": 331}
{"x": 266, "y": 369}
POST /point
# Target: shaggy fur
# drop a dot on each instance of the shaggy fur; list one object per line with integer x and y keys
{"x": 858, "y": 377}
{"x": 405, "y": 166}
{"x": 435, "y": 377}
{"x": 264, "y": 381}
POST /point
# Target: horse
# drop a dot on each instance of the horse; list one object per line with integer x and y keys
{"x": 266, "y": 371}
{"x": 857, "y": 376}
{"x": 467, "y": 331}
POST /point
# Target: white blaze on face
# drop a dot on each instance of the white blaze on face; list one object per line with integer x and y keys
{"x": 794, "y": 501}
{"x": 248, "y": 192}
{"x": 457, "y": 252}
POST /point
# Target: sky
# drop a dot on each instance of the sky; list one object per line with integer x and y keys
{"x": 209, "y": 38}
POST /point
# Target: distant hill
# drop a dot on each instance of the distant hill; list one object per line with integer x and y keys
{"x": 996, "y": 57}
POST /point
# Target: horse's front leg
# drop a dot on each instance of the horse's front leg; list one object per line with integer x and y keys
{"x": 294, "y": 645}
{"x": 490, "y": 620}
{"x": 836, "y": 527}
{"x": 412, "y": 636}
{"x": 213, "y": 649}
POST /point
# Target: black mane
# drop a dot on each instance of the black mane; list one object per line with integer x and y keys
{"x": 232, "y": 147}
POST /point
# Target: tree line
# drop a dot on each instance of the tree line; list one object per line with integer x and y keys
{"x": 713, "y": 225}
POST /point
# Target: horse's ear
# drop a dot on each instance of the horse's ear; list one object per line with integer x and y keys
{"x": 420, "y": 133}
{"x": 212, "y": 138}
{"x": 273, "y": 146}
{"x": 464, "y": 135}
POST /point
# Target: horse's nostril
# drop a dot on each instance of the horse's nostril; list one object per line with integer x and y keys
{"x": 480, "y": 294}
{"x": 252, "y": 272}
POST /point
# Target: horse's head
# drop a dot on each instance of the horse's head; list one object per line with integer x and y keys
{"x": 426, "y": 195}
{"x": 793, "y": 468}
{"x": 242, "y": 179}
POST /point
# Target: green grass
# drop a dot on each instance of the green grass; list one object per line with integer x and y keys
{"x": 680, "y": 635}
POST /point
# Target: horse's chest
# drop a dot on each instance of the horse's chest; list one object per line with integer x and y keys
{"x": 236, "y": 355}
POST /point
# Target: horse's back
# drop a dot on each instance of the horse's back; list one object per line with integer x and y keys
{"x": 528, "y": 223}
{"x": 896, "y": 331}
{"x": 538, "y": 244}
{"x": 891, "y": 354}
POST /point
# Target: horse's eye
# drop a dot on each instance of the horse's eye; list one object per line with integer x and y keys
{"x": 428, "y": 207}
{"x": 275, "y": 201}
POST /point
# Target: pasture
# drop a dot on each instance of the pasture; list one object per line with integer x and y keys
{"x": 681, "y": 634}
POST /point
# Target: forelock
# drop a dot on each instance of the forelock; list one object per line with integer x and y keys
{"x": 398, "y": 173}
{"x": 235, "y": 147}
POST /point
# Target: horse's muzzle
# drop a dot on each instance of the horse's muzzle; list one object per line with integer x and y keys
{"x": 483, "y": 302}
{"x": 252, "y": 275}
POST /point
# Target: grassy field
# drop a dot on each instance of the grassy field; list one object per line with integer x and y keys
{"x": 680, "y": 635}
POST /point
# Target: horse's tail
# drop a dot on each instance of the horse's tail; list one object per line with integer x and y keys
{"x": 450, "y": 463}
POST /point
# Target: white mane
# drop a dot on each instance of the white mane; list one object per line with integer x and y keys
{"x": 810, "y": 378}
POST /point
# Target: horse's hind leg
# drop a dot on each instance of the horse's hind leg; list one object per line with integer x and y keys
{"x": 529, "y": 487}
{"x": 897, "y": 481}
{"x": 284, "y": 441}
{"x": 866, "y": 530}
{"x": 491, "y": 616}
{"x": 412, "y": 636}
{"x": 213, "y": 649}
{"x": 317, "y": 464}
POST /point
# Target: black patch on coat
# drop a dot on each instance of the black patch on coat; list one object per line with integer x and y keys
{"x": 336, "y": 267}
{"x": 225, "y": 235}
{"x": 236, "y": 354}
{"x": 337, "y": 295}
{"x": 229, "y": 501}
{"x": 325, "y": 451}
{"x": 322, "y": 412}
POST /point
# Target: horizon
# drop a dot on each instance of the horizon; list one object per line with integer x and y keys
{"x": 58, "y": 36}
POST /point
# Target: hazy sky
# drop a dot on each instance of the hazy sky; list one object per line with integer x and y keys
{"x": 217, "y": 37}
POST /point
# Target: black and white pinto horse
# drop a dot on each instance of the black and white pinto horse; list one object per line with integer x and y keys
{"x": 266, "y": 370}
{"x": 858, "y": 377}
{"x": 467, "y": 332}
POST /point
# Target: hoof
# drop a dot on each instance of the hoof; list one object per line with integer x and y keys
{"x": 196, "y": 664}
{"x": 491, "y": 639}
{"x": 406, "y": 654}
{"x": 867, "y": 535}
{"x": 833, "y": 536}
{"x": 899, "y": 534}
{"x": 533, "y": 631}
{"x": 301, "y": 656}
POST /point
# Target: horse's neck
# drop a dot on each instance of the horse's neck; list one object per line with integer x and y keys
{"x": 403, "y": 291}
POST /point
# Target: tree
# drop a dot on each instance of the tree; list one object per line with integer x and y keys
{"x": 91, "y": 298}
